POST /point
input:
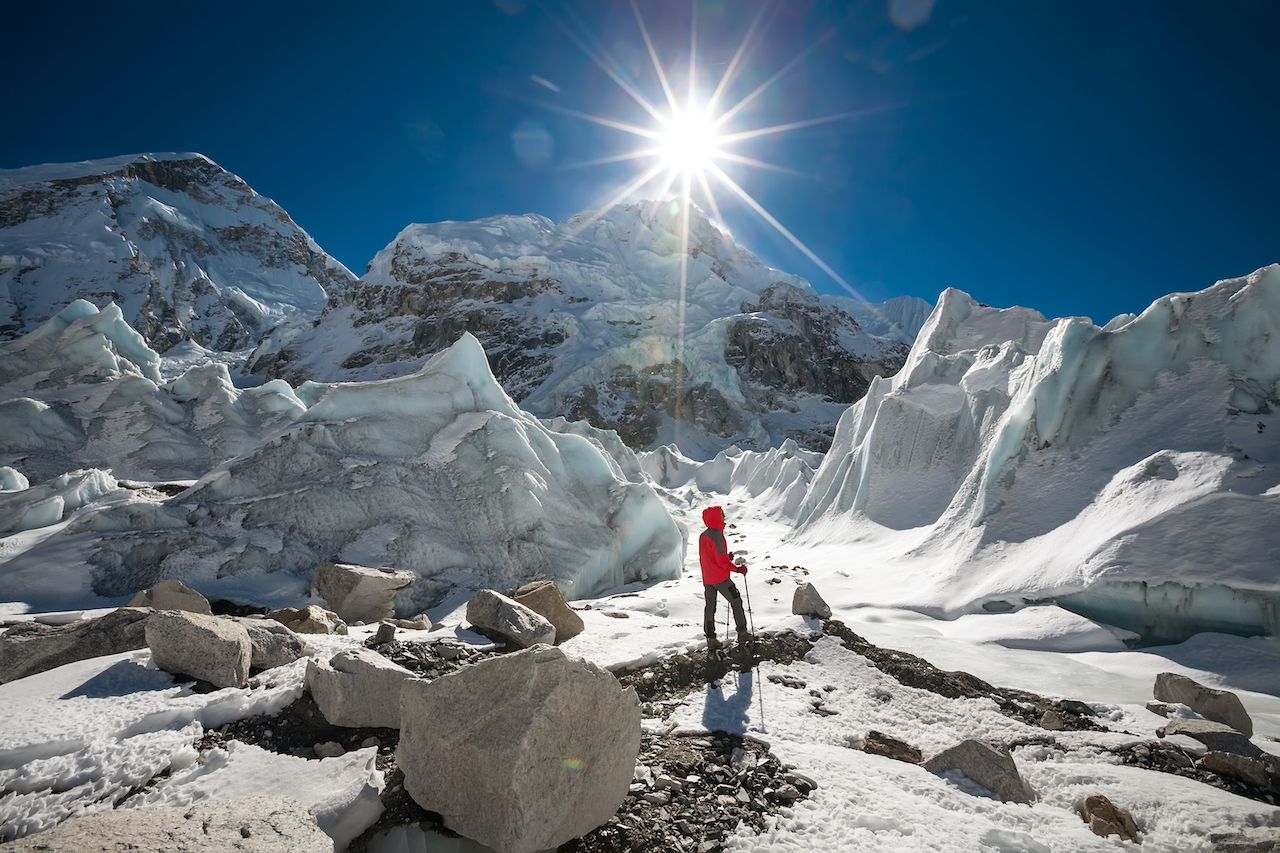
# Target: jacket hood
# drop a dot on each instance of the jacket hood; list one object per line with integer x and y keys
{"x": 713, "y": 517}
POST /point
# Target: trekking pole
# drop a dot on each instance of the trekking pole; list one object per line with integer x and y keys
{"x": 751, "y": 616}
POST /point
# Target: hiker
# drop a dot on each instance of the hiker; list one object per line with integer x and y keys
{"x": 717, "y": 563}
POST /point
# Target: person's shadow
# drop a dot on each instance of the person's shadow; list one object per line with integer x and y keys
{"x": 728, "y": 713}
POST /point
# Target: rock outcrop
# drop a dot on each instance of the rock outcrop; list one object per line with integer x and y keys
{"x": 172, "y": 595}
{"x": 1221, "y": 706}
{"x": 358, "y": 688}
{"x": 31, "y": 647}
{"x": 358, "y": 593}
{"x": 550, "y": 757}
{"x": 311, "y": 619}
{"x": 990, "y": 766}
{"x": 206, "y": 648}
{"x": 545, "y": 599}
{"x": 807, "y": 602}
{"x": 504, "y": 620}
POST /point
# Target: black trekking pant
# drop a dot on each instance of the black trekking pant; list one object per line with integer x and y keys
{"x": 729, "y": 591}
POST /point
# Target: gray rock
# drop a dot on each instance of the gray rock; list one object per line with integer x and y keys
{"x": 1161, "y": 708}
{"x": 311, "y": 619}
{"x": 878, "y": 743}
{"x": 359, "y": 593}
{"x": 251, "y": 825}
{"x": 1106, "y": 818}
{"x": 386, "y": 633}
{"x": 1221, "y": 706}
{"x": 30, "y": 647}
{"x": 507, "y": 621}
{"x": 1052, "y": 721}
{"x": 329, "y": 749}
{"x": 358, "y": 688}
{"x": 545, "y": 599}
{"x": 990, "y": 766}
{"x": 807, "y": 602}
{"x": 521, "y": 752}
{"x": 1255, "y": 839}
{"x": 204, "y": 647}
{"x": 172, "y": 595}
{"x": 273, "y": 643}
{"x": 1238, "y": 767}
{"x": 1215, "y": 736}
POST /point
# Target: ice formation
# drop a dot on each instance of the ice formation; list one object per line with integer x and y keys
{"x": 1132, "y": 471}
{"x": 774, "y": 481}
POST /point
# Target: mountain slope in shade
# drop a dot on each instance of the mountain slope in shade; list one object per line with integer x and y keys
{"x": 581, "y": 319}
{"x": 186, "y": 249}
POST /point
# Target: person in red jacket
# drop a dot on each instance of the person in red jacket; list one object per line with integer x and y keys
{"x": 717, "y": 563}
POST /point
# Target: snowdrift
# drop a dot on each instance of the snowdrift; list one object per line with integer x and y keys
{"x": 438, "y": 472}
{"x": 1130, "y": 471}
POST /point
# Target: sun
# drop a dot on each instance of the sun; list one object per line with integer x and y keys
{"x": 688, "y": 141}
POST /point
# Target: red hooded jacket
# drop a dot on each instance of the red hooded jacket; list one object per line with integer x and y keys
{"x": 713, "y": 550}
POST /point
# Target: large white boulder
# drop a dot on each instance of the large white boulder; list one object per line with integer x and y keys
{"x": 274, "y": 644}
{"x": 500, "y": 618}
{"x": 172, "y": 595}
{"x": 207, "y": 648}
{"x": 358, "y": 593}
{"x": 31, "y": 647}
{"x": 250, "y": 825}
{"x": 357, "y": 688}
{"x": 1221, "y": 706}
{"x": 546, "y": 599}
{"x": 521, "y": 752}
{"x": 990, "y": 766}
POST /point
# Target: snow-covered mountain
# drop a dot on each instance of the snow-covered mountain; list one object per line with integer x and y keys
{"x": 581, "y": 319}
{"x": 186, "y": 249}
{"x": 1130, "y": 471}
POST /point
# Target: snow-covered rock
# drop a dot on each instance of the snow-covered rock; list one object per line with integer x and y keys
{"x": 171, "y": 595}
{"x": 358, "y": 593}
{"x": 1130, "y": 472}
{"x": 508, "y": 621}
{"x": 357, "y": 688}
{"x": 31, "y": 647}
{"x": 587, "y": 319}
{"x": 187, "y": 249}
{"x": 206, "y": 648}
{"x": 12, "y": 480}
{"x": 991, "y": 766}
{"x": 545, "y": 599}
{"x": 1221, "y": 706}
{"x": 550, "y": 758}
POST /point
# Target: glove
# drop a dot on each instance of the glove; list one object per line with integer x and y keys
{"x": 741, "y": 569}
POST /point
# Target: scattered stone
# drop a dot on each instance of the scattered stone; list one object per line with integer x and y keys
{"x": 328, "y": 749}
{"x": 801, "y": 781}
{"x": 550, "y": 758}
{"x": 656, "y": 798}
{"x": 251, "y": 825}
{"x": 1075, "y": 706}
{"x": 1255, "y": 839}
{"x": 359, "y": 593}
{"x": 990, "y": 766}
{"x": 1215, "y": 736}
{"x": 1221, "y": 706}
{"x": 501, "y": 619}
{"x": 371, "y": 740}
{"x": 386, "y": 633}
{"x": 1052, "y": 721}
{"x": 877, "y": 743}
{"x": 311, "y": 619}
{"x": 358, "y": 688}
{"x": 1233, "y": 766}
{"x": 30, "y": 647}
{"x": 1161, "y": 708}
{"x": 1106, "y": 818}
{"x": 172, "y": 595}
{"x": 545, "y": 599}
{"x": 666, "y": 783}
{"x": 273, "y": 643}
{"x": 807, "y": 602}
{"x": 417, "y": 623}
{"x": 207, "y": 648}
{"x": 787, "y": 793}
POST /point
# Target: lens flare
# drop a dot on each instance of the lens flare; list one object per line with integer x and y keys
{"x": 689, "y": 141}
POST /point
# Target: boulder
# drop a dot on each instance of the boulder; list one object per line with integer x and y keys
{"x": 172, "y": 595}
{"x": 1221, "y": 706}
{"x": 206, "y": 648}
{"x": 386, "y": 633}
{"x": 877, "y": 743}
{"x": 545, "y": 599}
{"x": 1229, "y": 765}
{"x": 358, "y": 688}
{"x": 990, "y": 766}
{"x": 1106, "y": 818}
{"x": 1254, "y": 839}
{"x": 506, "y": 621}
{"x": 309, "y": 620}
{"x": 273, "y": 643}
{"x": 30, "y": 647}
{"x": 250, "y": 825}
{"x": 807, "y": 602}
{"x": 1215, "y": 736}
{"x": 521, "y": 752}
{"x": 359, "y": 593}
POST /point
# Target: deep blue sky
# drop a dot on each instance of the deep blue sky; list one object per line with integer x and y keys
{"x": 1078, "y": 157}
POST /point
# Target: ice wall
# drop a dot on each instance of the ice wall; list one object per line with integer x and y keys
{"x": 775, "y": 480}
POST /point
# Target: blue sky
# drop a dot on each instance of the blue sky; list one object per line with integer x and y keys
{"x": 1080, "y": 158}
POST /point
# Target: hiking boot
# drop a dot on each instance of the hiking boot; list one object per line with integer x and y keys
{"x": 713, "y": 644}
{"x": 745, "y": 636}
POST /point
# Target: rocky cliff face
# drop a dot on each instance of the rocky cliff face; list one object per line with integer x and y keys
{"x": 583, "y": 319}
{"x": 188, "y": 250}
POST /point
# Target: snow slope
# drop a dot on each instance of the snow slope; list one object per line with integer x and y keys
{"x": 587, "y": 319}
{"x": 1131, "y": 471}
{"x": 185, "y": 248}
